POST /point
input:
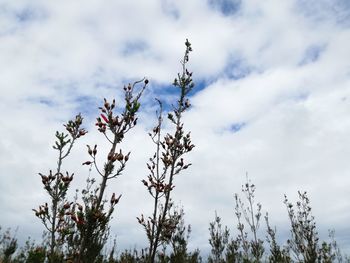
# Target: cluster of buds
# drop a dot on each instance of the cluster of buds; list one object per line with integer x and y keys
{"x": 180, "y": 165}
{"x": 187, "y": 79}
{"x": 188, "y": 73}
{"x": 107, "y": 106}
{"x": 186, "y": 143}
{"x": 104, "y": 120}
{"x": 47, "y": 179}
{"x": 176, "y": 145}
{"x": 101, "y": 125}
{"x": 115, "y": 200}
{"x": 116, "y": 123}
{"x": 120, "y": 124}
{"x": 188, "y": 50}
{"x": 63, "y": 181}
{"x": 188, "y": 45}
{"x": 92, "y": 152}
{"x": 158, "y": 185}
{"x": 73, "y": 127}
{"x": 42, "y": 212}
{"x": 186, "y": 104}
{"x": 118, "y": 157}
{"x": 67, "y": 179}
{"x": 169, "y": 140}
{"x": 185, "y": 82}
{"x": 166, "y": 159}
{"x": 141, "y": 220}
{"x": 127, "y": 88}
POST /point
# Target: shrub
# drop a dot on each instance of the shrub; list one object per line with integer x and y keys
{"x": 166, "y": 163}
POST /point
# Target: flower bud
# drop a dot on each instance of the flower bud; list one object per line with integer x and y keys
{"x": 82, "y": 132}
{"x": 89, "y": 150}
{"x": 126, "y": 158}
{"x": 120, "y": 156}
{"x": 104, "y": 118}
{"x": 107, "y": 105}
{"x": 145, "y": 183}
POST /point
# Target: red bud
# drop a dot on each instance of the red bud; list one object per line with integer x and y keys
{"x": 104, "y": 118}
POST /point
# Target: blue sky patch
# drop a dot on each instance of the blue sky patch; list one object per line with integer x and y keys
{"x": 24, "y": 15}
{"x": 226, "y": 7}
{"x": 29, "y": 14}
{"x": 169, "y": 94}
{"x": 132, "y": 47}
{"x": 302, "y": 96}
{"x": 236, "y": 68}
{"x": 42, "y": 101}
{"x": 86, "y": 105}
{"x": 18, "y": 18}
{"x": 46, "y": 102}
{"x": 170, "y": 9}
{"x": 236, "y": 127}
{"x": 172, "y": 90}
{"x": 342, "y": 10}
{"x": 199, "y": 85}
{"x": 321, "y": 10}
{"x": 312, "y": 54}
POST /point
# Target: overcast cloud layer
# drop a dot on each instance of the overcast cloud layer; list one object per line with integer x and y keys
{"x": 273, "y": 100}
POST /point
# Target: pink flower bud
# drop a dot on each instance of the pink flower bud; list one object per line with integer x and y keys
{"x": 104, "y": 118}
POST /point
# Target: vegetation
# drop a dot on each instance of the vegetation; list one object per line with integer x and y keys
{"x": 77, "y": 231}
{"x": 166, "y": 163}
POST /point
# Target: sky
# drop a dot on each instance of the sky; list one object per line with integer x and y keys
{"x": 272, "y": 101}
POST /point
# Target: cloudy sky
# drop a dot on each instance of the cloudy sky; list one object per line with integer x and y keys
{"x": 272, "y": 100}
